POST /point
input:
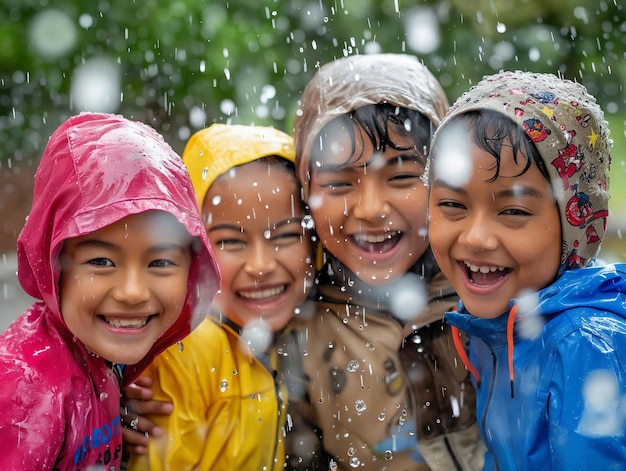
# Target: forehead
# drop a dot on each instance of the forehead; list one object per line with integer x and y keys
{"x": 463, "y": 164}
{"x": 254, "y": 190}
{"x": 152, "y": 227}
{"x": 344, "y": 141}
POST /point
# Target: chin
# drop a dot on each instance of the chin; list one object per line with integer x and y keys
{"x": 484, "y": 313}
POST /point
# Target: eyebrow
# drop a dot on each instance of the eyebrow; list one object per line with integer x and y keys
{"x": 233, "y": 227}
{"x": 514, "y": 192}
{"x": 351, "y": 166}
{"x": 98, "y": 243}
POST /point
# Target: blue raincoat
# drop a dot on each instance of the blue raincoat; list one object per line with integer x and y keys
{"x": 561, "y": 365}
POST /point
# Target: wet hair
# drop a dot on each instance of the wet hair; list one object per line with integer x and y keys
{"x": 376, "y": 121}
{"x": 490, "y": 130}
{"x": 274, "y": 159}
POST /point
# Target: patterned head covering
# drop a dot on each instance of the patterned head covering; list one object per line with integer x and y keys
{"x": 216, "y": 149}
{"x": 569, "y": 130}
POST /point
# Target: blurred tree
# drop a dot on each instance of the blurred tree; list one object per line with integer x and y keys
{"x": 180, "y": 65}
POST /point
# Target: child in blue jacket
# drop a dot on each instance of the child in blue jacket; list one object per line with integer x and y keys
{"x": 518, "y": 207}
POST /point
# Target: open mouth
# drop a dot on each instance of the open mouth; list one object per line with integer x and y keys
{"x": 262, "y": 294}
{"x": 485, "y": 275}
{"x": 380, "y": 243}
{"x": 127, "y": 323}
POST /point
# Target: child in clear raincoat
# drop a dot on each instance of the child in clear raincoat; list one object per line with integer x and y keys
{"x": 518, "y": 209}
{"x": 225, "y": 384}
{"x": 116, "y": 253}
{"x": 382, "y": 385}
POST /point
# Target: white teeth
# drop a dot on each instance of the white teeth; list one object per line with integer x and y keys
{"x": 134, "y": 323}
{"x": 262, "y": 294}
{"x": 374, "y": 239}
{"x": 483, "y": 268}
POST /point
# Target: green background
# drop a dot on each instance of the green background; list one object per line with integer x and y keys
{"x": 181, "y": 65}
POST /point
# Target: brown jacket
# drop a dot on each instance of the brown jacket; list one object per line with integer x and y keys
{"x": 370, "y": 380}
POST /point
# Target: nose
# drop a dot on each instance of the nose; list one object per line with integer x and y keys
{"x": 478, "y": 234}
{"x": 371, "y": 203}
{"x": 261, "y": 260}
{"x": 131, "y": 287}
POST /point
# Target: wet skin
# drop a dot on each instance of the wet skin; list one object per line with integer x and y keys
{"x": 124, "y": 285}
{"x": 370, "y": 211}
{"x": 253, "y": 216}
{"x": 495, "y": 240}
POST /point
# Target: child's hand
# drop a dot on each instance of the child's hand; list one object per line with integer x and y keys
{"x": 137, "y": 403}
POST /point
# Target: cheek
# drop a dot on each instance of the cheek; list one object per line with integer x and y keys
{"x": 414, "y": 204}
{"x": 299, "y": 259}
{"x": 227, "y": 269}
{"x": 437, "y": 235}
{"x": 323, "y": 219}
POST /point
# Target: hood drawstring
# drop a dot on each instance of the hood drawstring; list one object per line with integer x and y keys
{"x": 460, "y": 349}
{"x": 458, "y": 344}
{"x": 510, "y": 322}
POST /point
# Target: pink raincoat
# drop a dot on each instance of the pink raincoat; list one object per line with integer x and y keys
{"x": 59, "y": 403}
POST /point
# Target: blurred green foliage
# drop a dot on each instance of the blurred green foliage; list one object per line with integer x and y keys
{"x": 184, "y": 64}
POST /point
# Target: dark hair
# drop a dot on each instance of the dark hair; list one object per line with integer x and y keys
{"x": 376, "y": 120}
{"x": 489, "y": 130}
{"x": 274, "y": 159}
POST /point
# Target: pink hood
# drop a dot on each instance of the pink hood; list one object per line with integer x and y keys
{"x": 90, "y": 176}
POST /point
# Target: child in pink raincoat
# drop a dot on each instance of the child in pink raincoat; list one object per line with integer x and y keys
{"x": 116, "y": 253}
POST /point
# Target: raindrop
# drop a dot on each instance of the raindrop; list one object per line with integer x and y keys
{"x": 197, "y": 117}
{"x": 453, "y": 163}
{"x": 456, "y": 407}
{"x": 85, "y": 21}
{"x": 353, "y": 365}
{"x": 534, "y": 54}
{"x": 227, "y": 107}
{"x": 223, "y": 386}
{"x": 256, "y": 336}
{"x": 603, "y": 413}
{"x": 408, "y": 297}
{"x": 96, "y": 86}
{"x": 52, "y": 34}
{"x": 531, "y": 324}
{"x": 422, "y": 30}
{"x": 307, "y": 222}
{"x": 360, "y": 406}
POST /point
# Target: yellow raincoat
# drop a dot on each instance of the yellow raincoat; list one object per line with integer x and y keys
{"x": 225, "y": 401}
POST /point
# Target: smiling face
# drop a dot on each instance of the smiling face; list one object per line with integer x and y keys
{"x": 493, "y": 239}
{"x": 124, "y": 285}
{"x": 369, "y": 206}
{"x": 253, "y": 216}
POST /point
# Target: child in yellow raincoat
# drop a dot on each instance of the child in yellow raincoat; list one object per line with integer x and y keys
{"x": 223, "y": 381}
